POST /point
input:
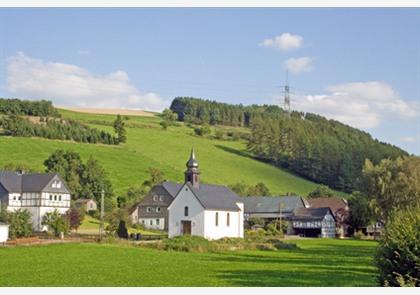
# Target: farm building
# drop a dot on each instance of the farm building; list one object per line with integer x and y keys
{"x": 37, "y": 193}
{"x": 339, "y": 208}
{"x": 314, "y": 222}
{"x": 4, "y": 232}
{"x": 210, "y": 211}
{"x": 272, "y": 208}
{"x": 86, "y": 204}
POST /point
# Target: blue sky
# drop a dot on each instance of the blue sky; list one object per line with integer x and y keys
{"x": 359, "y": 66}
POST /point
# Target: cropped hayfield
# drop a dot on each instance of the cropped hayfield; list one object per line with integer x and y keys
{"x": 319, "y": 262}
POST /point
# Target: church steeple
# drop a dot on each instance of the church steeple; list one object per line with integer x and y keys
{"x": 192, "y": 174}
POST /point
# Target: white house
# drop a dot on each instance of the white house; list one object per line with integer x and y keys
{"x": 37, "y": 193}
{"x": 210, "y": 211}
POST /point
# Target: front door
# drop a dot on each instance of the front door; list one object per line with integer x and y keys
{"x": 186, "y": 227}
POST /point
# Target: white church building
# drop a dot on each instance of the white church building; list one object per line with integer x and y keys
{"x": 38, "y": 193}
{"x": 206, "y": 210}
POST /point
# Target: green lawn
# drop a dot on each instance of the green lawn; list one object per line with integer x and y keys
{"x": 319, "y": 262}
{"x": 221, "y": 161}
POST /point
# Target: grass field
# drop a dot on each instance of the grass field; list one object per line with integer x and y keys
{"x": 221, "y": 161}
{"x": 319, "y": 262}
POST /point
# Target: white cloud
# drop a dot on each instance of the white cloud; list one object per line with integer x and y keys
{"x": 409, "y": 139}
{"x": 70, "y": 85}
{"x": 361, "y": 104}
{"x": 299, "y": 65}
{"x": 285, "y": 41}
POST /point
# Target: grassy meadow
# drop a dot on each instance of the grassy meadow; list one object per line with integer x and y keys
{"x": 221, "y": 161}
{"x": 318, "y": 262}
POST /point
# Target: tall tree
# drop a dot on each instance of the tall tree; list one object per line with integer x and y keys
{"x": 392, "y": 184}
{"x": 119, "y": 127}
{"x": 68, "y": 165}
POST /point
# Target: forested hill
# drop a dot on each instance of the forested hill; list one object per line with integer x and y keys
{"x": 322, "y": 150}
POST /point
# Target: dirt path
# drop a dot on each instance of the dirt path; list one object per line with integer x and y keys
{"x": 109, "y": 111}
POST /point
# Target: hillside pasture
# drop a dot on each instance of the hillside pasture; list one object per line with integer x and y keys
{"x": 318, "y": 262}
{"x": 221, "y": 161}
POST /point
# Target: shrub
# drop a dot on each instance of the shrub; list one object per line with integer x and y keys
{"x": 187, "y": 244}
{"x": 56, "y": 222}
{"x": 122, "y": 230}
{"x": 219, "y": 134}
{"x": 19, "y": 221}
{"x": 359, "y": 235}
{"x": 202, "y": 131}
{"x": 398, "y": 257}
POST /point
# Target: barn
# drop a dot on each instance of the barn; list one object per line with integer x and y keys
{"x": 314, "y": 222}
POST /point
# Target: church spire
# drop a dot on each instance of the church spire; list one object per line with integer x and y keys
{"x": 192, "y": 174}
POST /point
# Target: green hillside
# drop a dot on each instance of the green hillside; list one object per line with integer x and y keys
{"x": 221, "y": 161}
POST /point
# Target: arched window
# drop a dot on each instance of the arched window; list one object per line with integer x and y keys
{"x": 228, "y": 219}
{"x": 217, "y": 218}
{"x": 186, "y": 211}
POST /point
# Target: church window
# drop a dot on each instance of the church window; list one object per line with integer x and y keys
{"x": 157, "y": 209}
{"x": 157, "y": 221}
{"x": 217, "y": 218}
{"x": 186, "y": 211}
{"x": 155, "y": 198}
{"x": 151, "y": 221}
{"x": 228, "y": 219}
{"x": 148, "y": 209}
{"x": 161, "y": 198}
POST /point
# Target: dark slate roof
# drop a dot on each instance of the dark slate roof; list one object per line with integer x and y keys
{"x": 216, "y": 197}
{"x": 272, "y": 204}
{"x": 34, "y": 182}
{"x": 11, "y": 181}
{"x": 311, "y": 214}
{"x": 171, "y": 187}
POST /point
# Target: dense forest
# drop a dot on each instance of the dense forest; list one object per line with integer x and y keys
{"x": 322, "y": 150}
{"x": 53, "y": 128}
{"x": 41, "y": 108}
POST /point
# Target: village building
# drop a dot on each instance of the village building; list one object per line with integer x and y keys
{"x": 206, "y": 210}
{"x": 313, "y": 222}
{"x": 272, "y": 208}
{"x": 339, "y": 208}
{"x": 86, "y": 204}
{"x": 152, "y": 211}
{"x": 37, "y": 193}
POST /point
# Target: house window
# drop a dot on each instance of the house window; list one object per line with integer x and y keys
{"x": 157, "y": 209}
{"x": 217, "y": 218}
{"x": 157, "y": 221}
{"x": 186, "y": 211}
{"x": 55, "y": 198}
{"x": 155, "y": 198}
{"x": 142, "y": 221}
{"x": 59, "y": 198}
{"x": 148, "y": 209}
{"x": 228, "y": 219}
{"x": 151, "y": 221}
{"x": 91, "y": 206}
{"x": 50, "y": 197}
{"x": 161, "y": 198}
